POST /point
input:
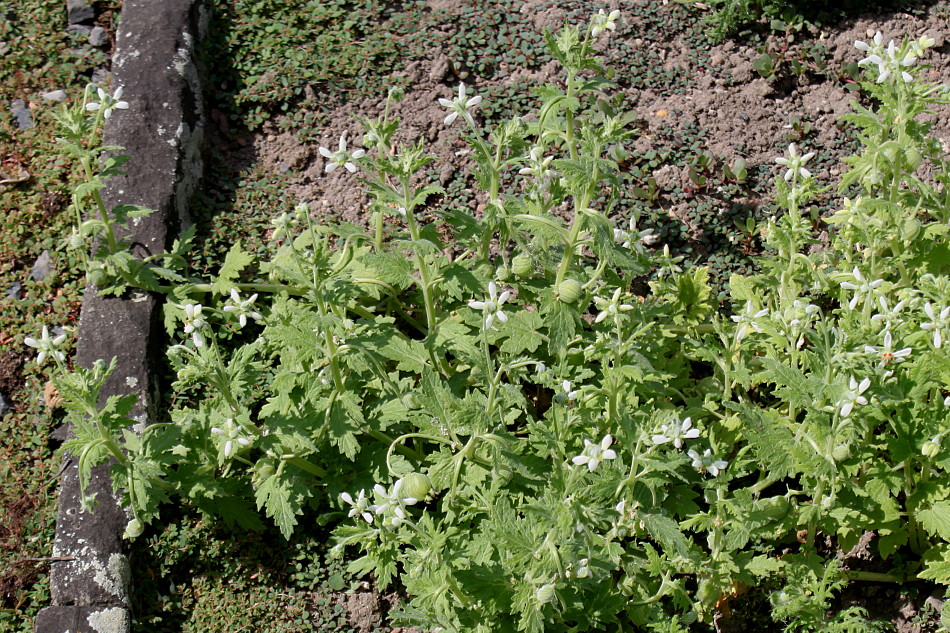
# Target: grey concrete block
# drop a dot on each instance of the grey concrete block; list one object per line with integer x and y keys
{"x": 89, "y": 619}
{"x": 161, "y": 132}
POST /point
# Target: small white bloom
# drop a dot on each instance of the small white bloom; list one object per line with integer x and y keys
{"x": 939, "y": 322}
{"x": 878, "y": 43}
{"x": 611, "y": 307}
{"x": 795, "y": 163}
{"x": 460, "y": 106}
{"x": 538, "y": 166}
{"x": 106, "y": 103}
{"x": 194, "y": 323}
{"x": 582, "y": 568}
{"x": 341, "y": 157}
{"x": 242, "y": 309}
{"x": 567, "y": 393}
{"x": 676, "y": 432}
{"x": 746, "y": 320}
{"x": 887, "y": 315}
{"x": 283, "y": 225}
{"x": 887, "y": 353}
{"x": 853, "y": 396}
{"x": 886, "y": 59}
{"x": 635, "y": 239}
{"x": 603, "y": 21}
{"x": 393, "y": 505}
{"x": 667, "y": 264}
{"x": 358, "y": 507}
{"x": 233, "y": 436}
{"x": 593, "y": 454}
{"x": 707, "y": 463}
{"x": 491, "y": 307}
{"x": 863, "y": 287}
{"x": 46, "y": 346}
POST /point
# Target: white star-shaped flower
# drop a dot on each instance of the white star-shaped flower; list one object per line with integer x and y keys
{"x": 491, "y": 307}
{"x": 46, "y": 346}
{"x": 358, "y": 507}
{"x": 341, "y": 157}
{"x": 853, "y": 396}
{"x": 242, "y": 309}
{"x": 460, "y": 105}
{"x": 707, "y": 462}
{"x": 795, "y": 163}
{"x": 106, "y": 103}
{"x": 676, "y": 432}
{"x": 593, "y": 454}
{"x": 194, "y": 323}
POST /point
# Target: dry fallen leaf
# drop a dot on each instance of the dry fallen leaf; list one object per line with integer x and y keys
{"x": 51, "y": 396}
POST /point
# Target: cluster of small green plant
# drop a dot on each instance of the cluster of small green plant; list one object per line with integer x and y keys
{"x": 499, "y": 424}
{"x": 196, "y": 575}
{"x": 38, "y": 56}
{"x": 279, "y": 53}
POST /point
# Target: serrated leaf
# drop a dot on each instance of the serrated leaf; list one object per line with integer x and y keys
{"x": 282, "y": 501}
{"x": 762, "y": 566}
{"x": 937, "y": 571}
{"x": 234, "y": 262}
{"x": 773, "y": 442}
{"x": 521, "y": 333}
{"x": 797, "y": 389}
{"x": 394, "y": 270}
{"x": 666, "y": 532}
{"x": 345, "y": 421}
{"x": 936, "y": 519}
{"x": 408, "y": 354}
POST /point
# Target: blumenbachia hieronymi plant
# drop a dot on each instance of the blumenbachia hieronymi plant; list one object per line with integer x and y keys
{"x": 499, "y": 423}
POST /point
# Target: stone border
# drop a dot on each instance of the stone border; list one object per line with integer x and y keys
{"x": 162, "y": 131}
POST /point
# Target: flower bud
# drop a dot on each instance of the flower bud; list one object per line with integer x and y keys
{"x": 568, "y": 291}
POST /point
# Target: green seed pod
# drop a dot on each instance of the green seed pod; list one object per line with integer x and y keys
{"x": 134, "y": 529}
{"x": 841, "y": 452}
{"x": 776, "y": 507}
{"x": 708, "y": 593}
{"x": 415, "y": 485}
{"x": 521, "y": 265}
{"x": 411, "y": 400}
{"x": 502, "y": 273}
{"x": 568, "y": 291}
{"x": 910, "y": 229}
{"x": 264, "y": 469}
{"x": 890, "y": 151}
